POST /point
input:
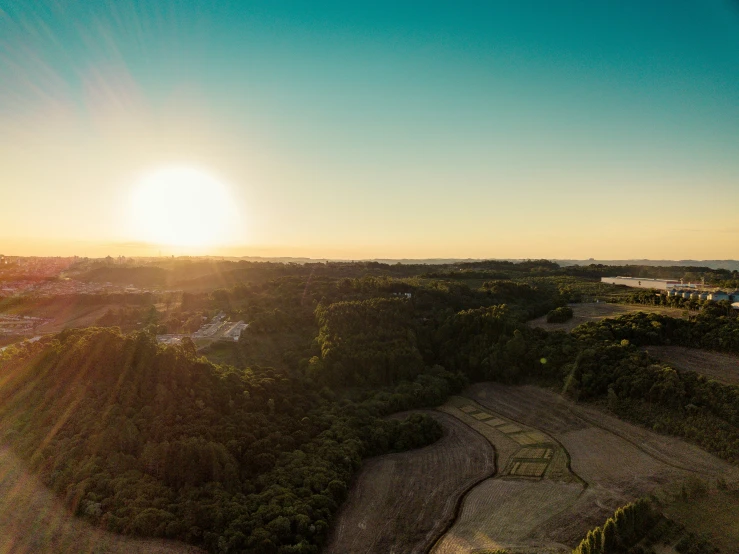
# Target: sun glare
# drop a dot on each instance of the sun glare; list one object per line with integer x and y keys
{"x": 182, "y": 206}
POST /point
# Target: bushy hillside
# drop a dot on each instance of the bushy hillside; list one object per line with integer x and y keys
{"x": 156, "y": 441}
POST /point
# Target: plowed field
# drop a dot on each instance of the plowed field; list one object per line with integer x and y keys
{"x": 401, "y": 502}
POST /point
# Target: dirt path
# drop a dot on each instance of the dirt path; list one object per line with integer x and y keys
{"x": 33, "y": 521}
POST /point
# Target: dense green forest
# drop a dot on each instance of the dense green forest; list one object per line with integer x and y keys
{"x": 637, "y": 387}
{"x": 157, "y": 441}
{"x": 251, "y": 446}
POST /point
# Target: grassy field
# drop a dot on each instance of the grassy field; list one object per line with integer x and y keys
{"x": 33, "y": 521}
{"x": 718, "y": 366}
{"x": 714, "y": 515}
{"x": 595, "y": 311}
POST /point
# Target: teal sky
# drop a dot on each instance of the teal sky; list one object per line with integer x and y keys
{"x": 378, "y": 129}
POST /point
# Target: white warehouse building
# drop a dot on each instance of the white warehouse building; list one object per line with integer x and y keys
{"x": 642, "y": 283}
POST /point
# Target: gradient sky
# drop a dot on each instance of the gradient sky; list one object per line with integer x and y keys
{"x": 605, "y": 129}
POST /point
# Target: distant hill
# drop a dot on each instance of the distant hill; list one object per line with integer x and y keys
{"x": 731, "y": 265}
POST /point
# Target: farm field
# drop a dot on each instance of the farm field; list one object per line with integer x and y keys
{"x": 533, "y": 484}
{"x": 503, "y": 513}
{"x": 560, "y": 418}
{"x": 618, "y": 461}
{"x": 522, "y": 451}
{"x": 400, "y": 502}
{"x": 503, "y": 444}
{"x": 716, "y": 365}
{"x": 595, "y": 311}
{"x": 33, "y": 520}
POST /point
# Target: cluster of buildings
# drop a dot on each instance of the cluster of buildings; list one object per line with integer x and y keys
{"x": 20, "y": 325}
{"x": 62, "y": 287}
{"x": 34, "y": 265}
{"x": 674, "y": 288}
{"x": 56, "y": 288}
{"x": 217, "y": 330}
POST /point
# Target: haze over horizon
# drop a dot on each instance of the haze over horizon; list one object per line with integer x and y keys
{"x": 394, "y": 130}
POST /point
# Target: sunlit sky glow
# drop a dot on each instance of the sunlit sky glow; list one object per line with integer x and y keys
{"x": 382, "y": 129}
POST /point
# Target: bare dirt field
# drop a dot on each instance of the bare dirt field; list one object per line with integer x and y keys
{"x": 400, "y": 502}
{"x": 718, "y": 366}
{"x": 504, "y": 445}
{"x": 33, "y": 521}
{"x": 595, "y": 311}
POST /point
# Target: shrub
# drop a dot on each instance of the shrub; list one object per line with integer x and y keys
{"x": 560, "y": 315}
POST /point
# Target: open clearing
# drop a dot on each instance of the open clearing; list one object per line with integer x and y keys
{"x": 400, "y": 502}
{"x": 595, "y": 311}
{"x": 714, "y": 515}
{"x": 33, "y": 521}
{"x": 619, "y": 461}
{"x": 718, "y": 366}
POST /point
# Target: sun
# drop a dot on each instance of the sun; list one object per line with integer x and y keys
{"x": 182, "y": 206}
